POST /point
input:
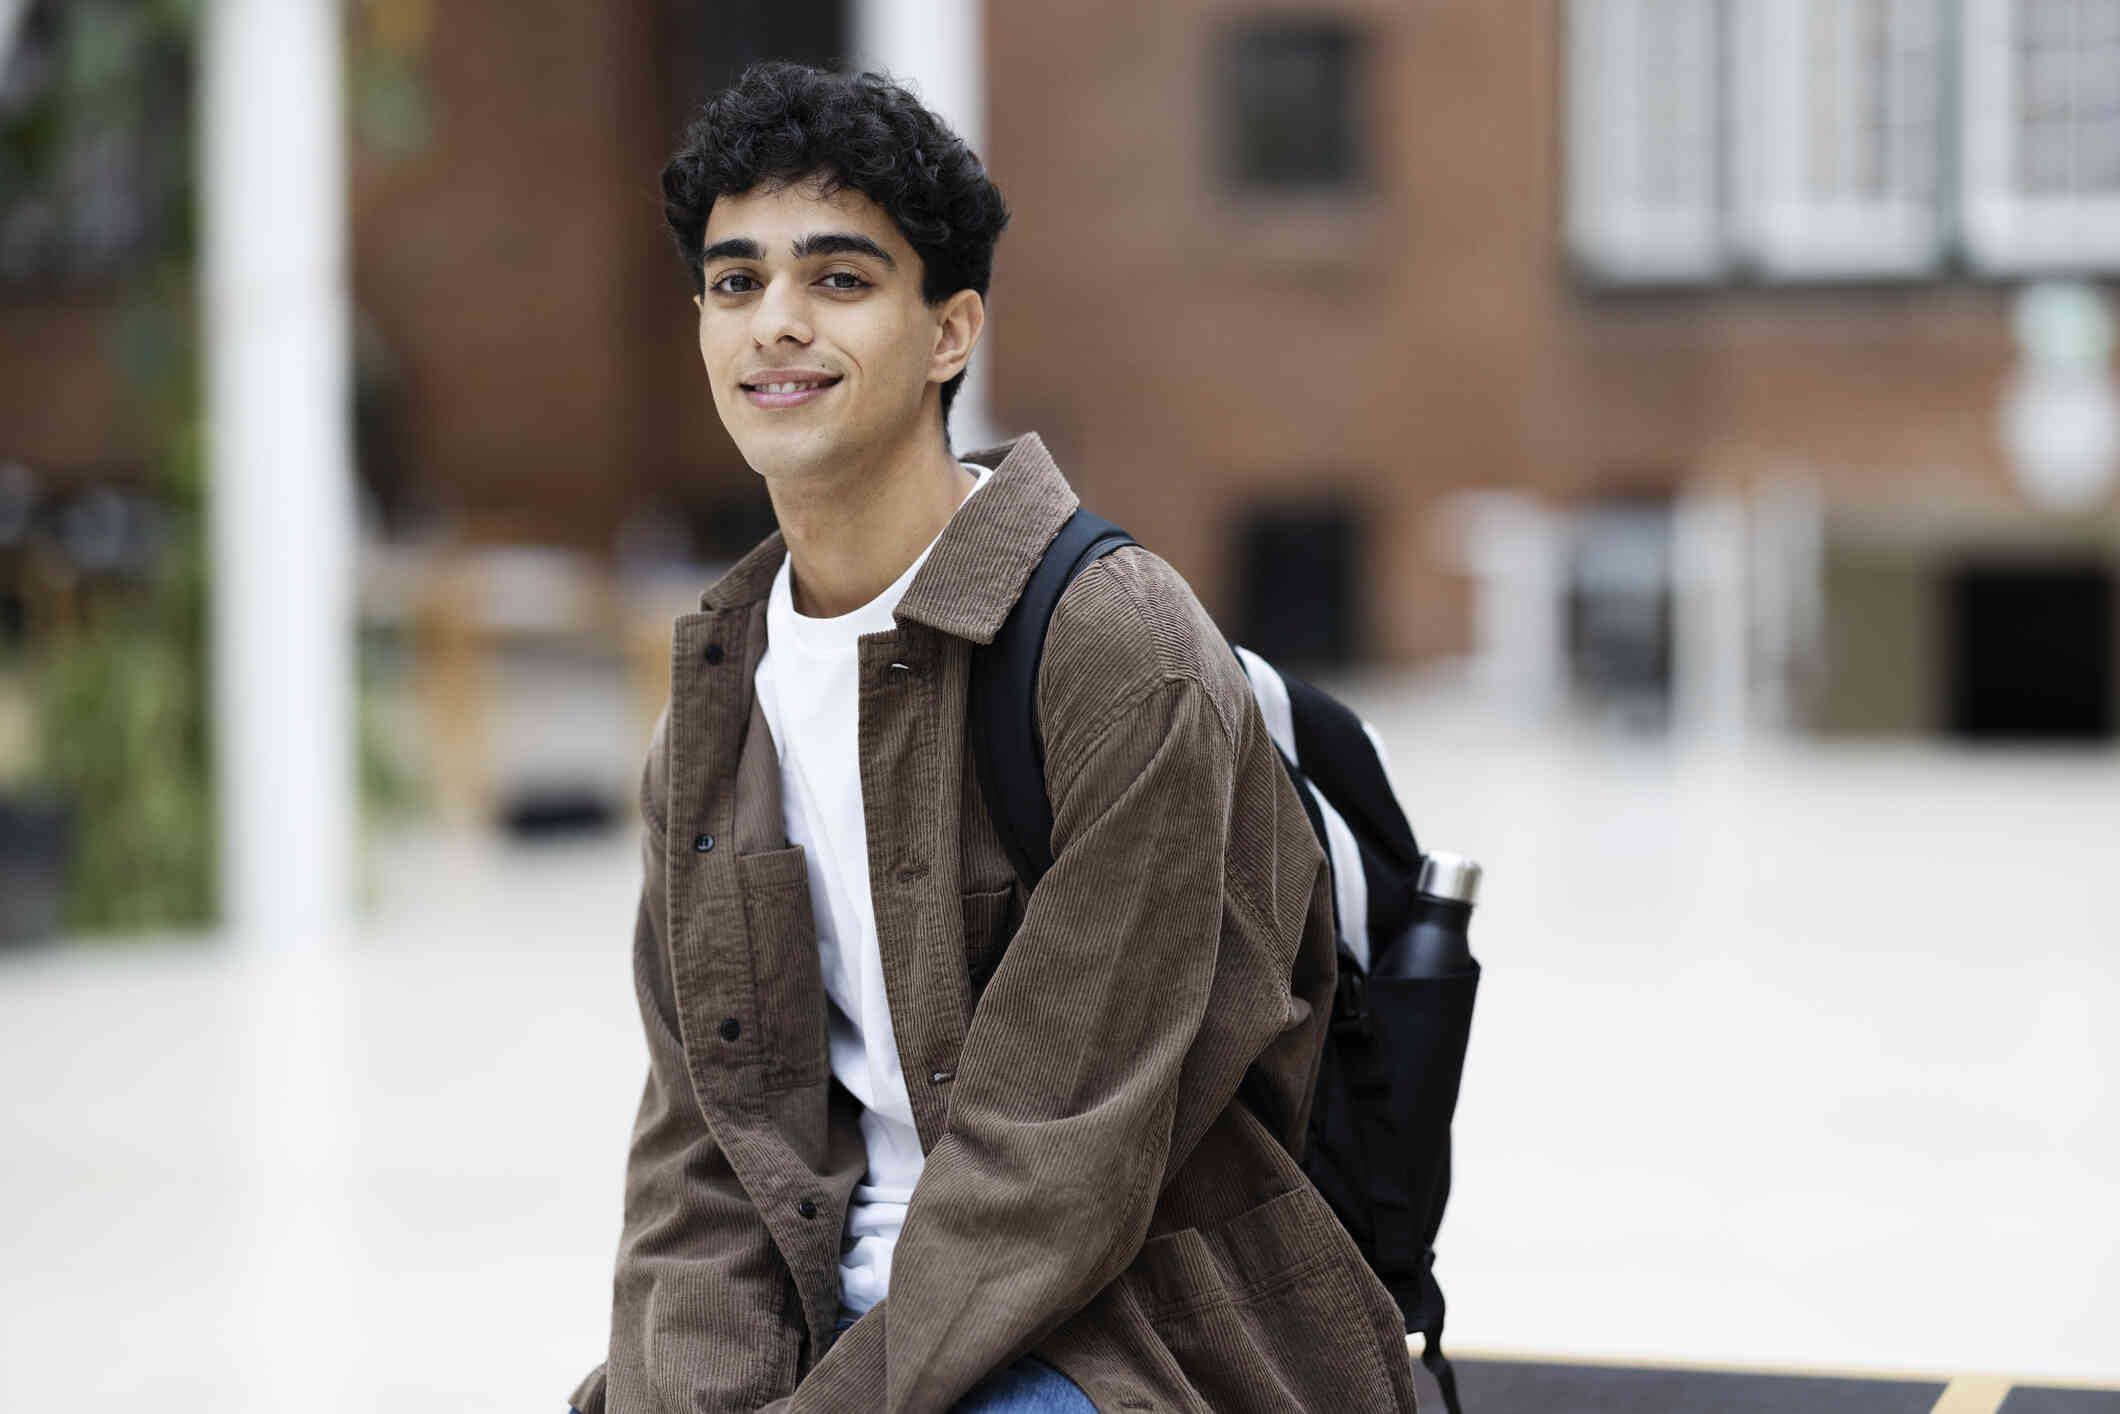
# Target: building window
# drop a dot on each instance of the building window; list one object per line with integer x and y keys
{"x": 1646, "y": 139}
{"x": 1839, "y": 120}
{"x": 2042, "y": 134}
{"x": 1824, "y": 139}
{"x": 1292, "y": 91}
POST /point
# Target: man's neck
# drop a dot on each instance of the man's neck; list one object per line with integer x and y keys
{"x": 849, "y": 537}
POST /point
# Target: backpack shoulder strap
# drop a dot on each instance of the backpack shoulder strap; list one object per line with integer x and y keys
{"x": 1007, "y": 747}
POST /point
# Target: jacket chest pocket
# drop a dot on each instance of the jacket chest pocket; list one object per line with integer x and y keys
{"x": 785, "y": 974}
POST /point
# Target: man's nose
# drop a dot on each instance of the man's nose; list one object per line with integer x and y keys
{"x": 780, "y": 314}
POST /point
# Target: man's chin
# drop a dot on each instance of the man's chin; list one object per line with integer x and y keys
{"x": 780, "y": 452}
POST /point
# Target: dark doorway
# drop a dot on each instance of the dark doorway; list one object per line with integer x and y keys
{"x": 1620, "y": 608}
{"x": 2031, "y": 650}
{"x": 1296, "y": 591}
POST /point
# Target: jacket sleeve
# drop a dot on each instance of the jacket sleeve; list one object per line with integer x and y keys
{"x": 698, "y": 1301}
{"x": 1087, "y": 1071}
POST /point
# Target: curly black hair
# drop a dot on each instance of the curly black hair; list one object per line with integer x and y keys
{"x": 783, "y": 122}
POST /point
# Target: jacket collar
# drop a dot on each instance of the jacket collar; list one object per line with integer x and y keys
{"x": 977, "y": 570}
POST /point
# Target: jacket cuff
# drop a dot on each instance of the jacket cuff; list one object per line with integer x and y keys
{"x": 588, "y": 1396}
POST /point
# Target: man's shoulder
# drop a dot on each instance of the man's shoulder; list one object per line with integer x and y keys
{"x": 1128, "y": 625}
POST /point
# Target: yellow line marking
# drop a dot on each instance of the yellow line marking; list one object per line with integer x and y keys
{"x": 1973, "y": 1394}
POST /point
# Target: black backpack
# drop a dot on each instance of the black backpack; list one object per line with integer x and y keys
{"x": 1379, "y": 1142}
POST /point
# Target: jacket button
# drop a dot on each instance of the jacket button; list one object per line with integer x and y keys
{"x": 806, "y": 1208}
{"x": 731, "y": 1029}
{"x": 713, "y": 653}
{"x": 703, "y": 843}
{"x": 940, "y": 1076}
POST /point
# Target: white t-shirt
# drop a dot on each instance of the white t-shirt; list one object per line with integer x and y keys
{"x": 809, "y": 687}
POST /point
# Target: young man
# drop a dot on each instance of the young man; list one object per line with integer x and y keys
{"x": 873, "y": 1169}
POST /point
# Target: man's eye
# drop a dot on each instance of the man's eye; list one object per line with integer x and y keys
{"x": 845, "y": 280}
{"x": 734, "y": 283}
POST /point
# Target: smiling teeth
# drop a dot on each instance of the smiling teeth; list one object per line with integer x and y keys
{"x": 786, "y": 387}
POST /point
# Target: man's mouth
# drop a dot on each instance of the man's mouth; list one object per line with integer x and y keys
{"x": 788, "y": 389}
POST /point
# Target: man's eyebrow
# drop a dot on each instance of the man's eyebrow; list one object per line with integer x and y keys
{"x": 734, "y": 248}
{"x": 841, "y": 243}
{"x": 815, "y": 244}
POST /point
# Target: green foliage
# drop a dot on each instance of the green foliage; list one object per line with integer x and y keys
{"x": 122, "y": 721}
{"x": 386, "y": 92}
{"x": 102, "y": 120}
{"x": 387, "y": 787}
{"x": 125, "y": 734}
{"x": 125, "y": 741}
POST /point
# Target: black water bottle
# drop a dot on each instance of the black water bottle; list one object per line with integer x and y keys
{"x": 1438, "y": 942}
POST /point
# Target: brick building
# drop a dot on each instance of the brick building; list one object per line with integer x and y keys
{"x": 1288, "y": 275}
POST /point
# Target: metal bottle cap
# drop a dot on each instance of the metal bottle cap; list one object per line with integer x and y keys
{"x": 1450, "y": 876}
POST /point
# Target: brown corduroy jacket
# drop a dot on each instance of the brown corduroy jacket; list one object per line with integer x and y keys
{"x": 1111, "y": 1116}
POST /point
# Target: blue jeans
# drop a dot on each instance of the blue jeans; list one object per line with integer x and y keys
{"x": 1030, "y": 1386}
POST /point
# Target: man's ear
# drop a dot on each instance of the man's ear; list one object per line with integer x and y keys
{"x": 699, "y": 302}
{"x": 960, "y": 319}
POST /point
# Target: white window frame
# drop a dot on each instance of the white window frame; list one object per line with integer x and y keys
{"x": 1784, "y": 228}
{"x": 2006, "y": 231}
{"x": 1614, "y": 234}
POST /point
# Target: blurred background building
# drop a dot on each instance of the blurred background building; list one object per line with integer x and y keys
{"x": 1578, "y": 384}
{"x": 1664, "y": 359}
{"x": 1720, "y": 297}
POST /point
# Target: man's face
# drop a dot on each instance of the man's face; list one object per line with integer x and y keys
{"x": 817, "y": 344}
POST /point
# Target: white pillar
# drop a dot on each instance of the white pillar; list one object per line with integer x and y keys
{"x": 1788, "y": 569}
{"x": 938, "y": 47}
{"x": 280, "y": 512}
{"x": 1710, "y": 630}
{"x": 1516, "y": 552}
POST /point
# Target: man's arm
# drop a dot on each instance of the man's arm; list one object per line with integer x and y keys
{"x": 699, "y": 1294}
{"x": 1143, "y": 980}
